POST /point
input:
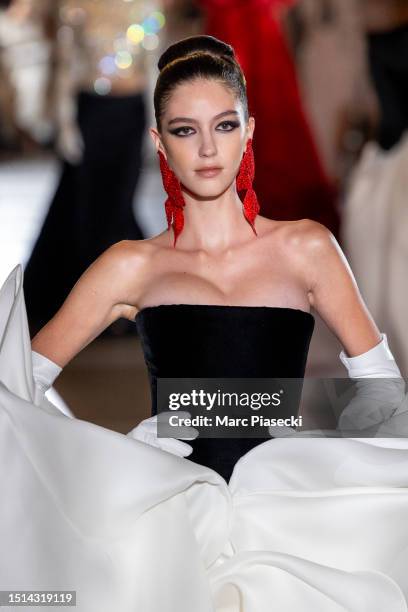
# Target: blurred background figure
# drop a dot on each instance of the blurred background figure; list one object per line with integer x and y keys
{"x": 290, "y": 179}
{"x": 26, "y": 46}
{"x": 8, "y": 128}
{"x": 183, "y": 18}
{"x": 329, "y": 48}
{"x": 375, "y": 226}
{"x": 100, "y": 78}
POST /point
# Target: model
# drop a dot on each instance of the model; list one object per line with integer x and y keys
{"x": 220, "y": 267}
{"x": 223, "y": 292}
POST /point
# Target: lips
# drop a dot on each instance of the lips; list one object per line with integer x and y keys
{"x": 209, "y": 172}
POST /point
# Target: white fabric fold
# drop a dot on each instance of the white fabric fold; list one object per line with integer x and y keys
{"x": 304, "y": 525}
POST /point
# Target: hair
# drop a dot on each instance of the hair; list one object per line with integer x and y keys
{"x": 197, "y": 57}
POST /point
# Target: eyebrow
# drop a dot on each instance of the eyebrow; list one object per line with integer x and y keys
{"x": 227, "y": 112}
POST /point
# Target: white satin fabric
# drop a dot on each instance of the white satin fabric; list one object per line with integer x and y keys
{"x": 305, "y": 524}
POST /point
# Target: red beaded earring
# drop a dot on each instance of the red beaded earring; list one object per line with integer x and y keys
{"x": 245, "y": 178}
{"x": 175, "y": 202}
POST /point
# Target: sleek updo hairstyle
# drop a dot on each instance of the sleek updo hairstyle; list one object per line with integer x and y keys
{"x": 195, "y": 57}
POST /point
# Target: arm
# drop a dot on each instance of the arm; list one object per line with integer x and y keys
{"x": 333, "y": 292}
{"x": 105, "y": 292}
{"x": 332, "y": 288}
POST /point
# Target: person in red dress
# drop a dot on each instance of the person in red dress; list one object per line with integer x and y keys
{"x": 290, "y": 180}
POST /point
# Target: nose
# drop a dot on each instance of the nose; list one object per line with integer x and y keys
{"x": 207, "y": 146}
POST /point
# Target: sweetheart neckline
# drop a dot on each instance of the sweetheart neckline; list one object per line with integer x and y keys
{"x": 237, "y": 306}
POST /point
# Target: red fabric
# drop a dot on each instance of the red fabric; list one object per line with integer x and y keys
{"x": 289, "y": 177}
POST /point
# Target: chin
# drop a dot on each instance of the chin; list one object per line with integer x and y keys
{"x": 213, "y": 191}
{"x": 213, "y": 194}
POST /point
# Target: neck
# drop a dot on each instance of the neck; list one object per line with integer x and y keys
{"x": 213, "y": 224}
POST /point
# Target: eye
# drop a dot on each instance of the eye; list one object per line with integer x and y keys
{"x": 231, "y": 124}
{"x": 182, "y": 131}
{"x": 178, "y": 131}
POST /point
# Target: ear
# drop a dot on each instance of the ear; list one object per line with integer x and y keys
{"x": 157, "y": 140}
{"x": 251, "y": 127}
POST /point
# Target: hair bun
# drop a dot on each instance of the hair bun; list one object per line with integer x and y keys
{"x": 196, "y": 45}
{"x": 198, "y": 57}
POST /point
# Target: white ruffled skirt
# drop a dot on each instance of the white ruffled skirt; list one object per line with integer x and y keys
{"x": 304, "y": 524}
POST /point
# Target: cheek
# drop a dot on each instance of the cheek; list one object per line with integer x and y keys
{"x": 235, "y": 154}
{"x": 181, "y": 158}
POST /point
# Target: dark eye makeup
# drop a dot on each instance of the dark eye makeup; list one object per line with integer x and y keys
{"x": 178, "y": 131}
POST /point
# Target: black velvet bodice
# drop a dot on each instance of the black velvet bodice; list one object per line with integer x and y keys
{"x": 217, "y": 341}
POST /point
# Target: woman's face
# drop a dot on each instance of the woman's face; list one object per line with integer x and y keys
{"x": 204, "y": 126}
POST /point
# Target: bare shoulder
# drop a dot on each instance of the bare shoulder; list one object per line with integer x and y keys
{"x": 121, "y": 272}
{"x": 307, "y": 243}
{"x": 297, "y": 238}
{"x": 306, "y": 234}
{"x": 304, "y": 247}
{"x": 317, "y": 258}
{"x": 131, "y": 255}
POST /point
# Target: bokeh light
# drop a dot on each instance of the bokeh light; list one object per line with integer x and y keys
{"x": 150, "y": 25}
{"x": 102, "y": 86}
{"x": 123, "y": 59}
{"x": 107, "y": 65}
{"x": 135, "y": 33}
{"x": 159, "y": 17}
{"x": 150, "y": 42}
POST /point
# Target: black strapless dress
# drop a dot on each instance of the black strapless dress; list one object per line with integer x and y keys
{"x": 217, "y": 341}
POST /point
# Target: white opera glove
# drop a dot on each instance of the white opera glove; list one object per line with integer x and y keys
{"x": 146, "y": 432}
{"x": 45, "y": 372}
{"x": 377, "y": 362}
{"x": 375, "y": 401}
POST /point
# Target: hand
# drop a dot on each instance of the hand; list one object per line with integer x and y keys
{"x": 45, "y": 372}
{"x": 379, "y": 407}
{"x": 146, "y": 432}
{"x": 374, "y": 404}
